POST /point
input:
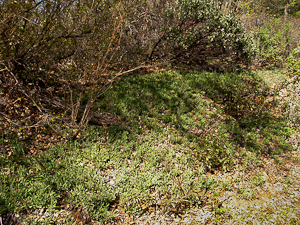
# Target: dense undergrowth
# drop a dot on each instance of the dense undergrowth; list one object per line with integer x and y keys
{"x": 122, "y": 146}
{"x": 175, "y": 127}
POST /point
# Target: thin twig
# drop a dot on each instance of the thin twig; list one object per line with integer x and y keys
{"x": 8, "y": 119}
{"x": 85, "y": 117}
{"x": 32, "y": 100}
{"x": 18, "y": 125}
{"x": 74, "y": 107}
{"x": 30, "y": 21}
{"x": 56, "y": 131}
{"x": 113, "y": 46}
{"x": 17, "y": 83}
{"x": 110, "y": 82}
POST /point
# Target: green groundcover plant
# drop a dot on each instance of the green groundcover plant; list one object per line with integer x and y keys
{"x": 172, "y": 128}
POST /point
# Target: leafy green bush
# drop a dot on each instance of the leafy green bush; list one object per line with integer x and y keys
{"x": 273, "y": 41}
{"x": 289, "y": 94}
{"x": 293, "y": 61}
{"x": 187, "y": 31}
{"x": 199, "y": 34}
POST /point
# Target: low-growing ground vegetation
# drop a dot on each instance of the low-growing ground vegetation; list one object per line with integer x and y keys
{"x": 168, "y": 130}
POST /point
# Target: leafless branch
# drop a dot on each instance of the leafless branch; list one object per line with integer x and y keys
{"x": 8, "y": 119}
{"x": 17, "y": 83}
{"x": 110, "y": 82}
{"x": 36, "y": 5}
